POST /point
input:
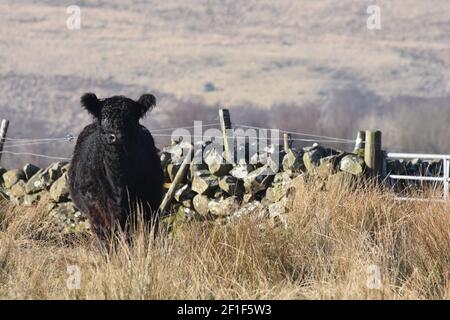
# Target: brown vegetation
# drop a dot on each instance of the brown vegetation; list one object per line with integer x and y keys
{"x": 330, "y": 241}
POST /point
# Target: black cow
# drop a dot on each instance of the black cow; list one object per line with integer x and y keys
{"x": 115, "y": 165}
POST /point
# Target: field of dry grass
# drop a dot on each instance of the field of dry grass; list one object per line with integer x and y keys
{"x": 325, "y": 251}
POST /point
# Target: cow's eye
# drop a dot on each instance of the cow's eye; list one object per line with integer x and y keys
{"x": 111, "y": 138}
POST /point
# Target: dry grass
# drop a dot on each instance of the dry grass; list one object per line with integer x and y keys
{"x": 324, "y": 253}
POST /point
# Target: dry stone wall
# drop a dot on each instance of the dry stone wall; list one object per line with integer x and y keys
{"x": 212, "y": 190}
{"x": 30, "y": 185}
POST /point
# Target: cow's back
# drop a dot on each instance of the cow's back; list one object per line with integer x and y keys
{"x": 83, "y": 163}
{"x": 149, "y": 173}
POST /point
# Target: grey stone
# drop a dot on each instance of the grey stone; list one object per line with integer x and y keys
{"x": 241, "y": 151}
{"x": 352, "y": 164}
{"x": 258, "y": 180}
{"x": 249, "y": 197}
{"x": 18, "y": 201}
{"x": 219, "y": 169}
{"x": 327, "y": 166}
{"x": 68, "y": 220}
{"x": 11, "y": 177}
{"x": 218, "y": 194}
{"x": 217, "y": 165}
{"x": 253, "y": 207}
{"x": 277, "y": 209}
{"x": 205, "y": 184}
{"x": 43, "y": 179}
{"x": 293, "y": 160}
{"x": 57, "y": 167}
{"x": 232, "y": 185}
{"x": 201, "y": 173}
{"x": 32, "y": 199}
{"x": 18, "y": 189}
{"x": 65, "y": 168}
{"x": 200, "y": 203}
{"x": 59, "y": 191}
{"x": 312, "y": 156}
{"x": 53, "y": 175}
{"x": 259, "y": 158}
{"x": 275, "y": 193}
{"x": 272, "y": 149}
{"x": 241, "y": 171}
{"x": 30, "y": 170}
{"x": 176, "y": 153}
{"x": 194, "y": 168}
{"x": 184, "y": 193}
{"x": 37, "y": 182}
{"x": 311, "y": 148}
{"x": 284, "y": 177}
{"x": 274, "y": 163}
{"x": 272, "y": 156}
{"x": 224, "y": 207}
{"x": 188, "y": 203}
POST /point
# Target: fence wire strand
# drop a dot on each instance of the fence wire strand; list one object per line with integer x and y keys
{"x": 34, "y": 155}
{"x": 187, "y": 127}
{"x": 25, "y": 142}
{"x": 254, "y": 138}
{"x": 297, "y": 133}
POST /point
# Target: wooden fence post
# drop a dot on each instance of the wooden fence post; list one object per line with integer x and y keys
{"x": 178, "y": 178}
{"x": 360, "y": 143}
{"x": 3, "y": 131}
{"x": 226, "y": 127}
{"x": 287, "y": 142}
{"x": 372, "y": 153}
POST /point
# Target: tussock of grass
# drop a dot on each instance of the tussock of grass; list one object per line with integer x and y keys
{"x": 330, "y": 241}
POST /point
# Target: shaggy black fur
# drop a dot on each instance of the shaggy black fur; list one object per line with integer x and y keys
{"x": 115, "y": 165}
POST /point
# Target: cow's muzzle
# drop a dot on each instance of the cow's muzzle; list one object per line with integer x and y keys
{"x": 112, "y": 138}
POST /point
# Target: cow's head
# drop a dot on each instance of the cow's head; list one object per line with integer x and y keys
{"x": 118, "y": 116}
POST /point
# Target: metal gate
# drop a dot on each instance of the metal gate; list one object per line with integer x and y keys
{"x": 444, "y": 178}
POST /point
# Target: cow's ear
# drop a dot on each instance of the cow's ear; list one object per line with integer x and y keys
{"x": 146, "y": 103}
{"x": 91, "y": 103}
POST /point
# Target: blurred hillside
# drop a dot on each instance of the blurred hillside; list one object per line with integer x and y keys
{"x": 312, "y": 65}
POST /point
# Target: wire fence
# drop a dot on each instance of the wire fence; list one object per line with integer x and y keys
{"x": 35, "y": 155}
{"x": 10, "y": 144}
